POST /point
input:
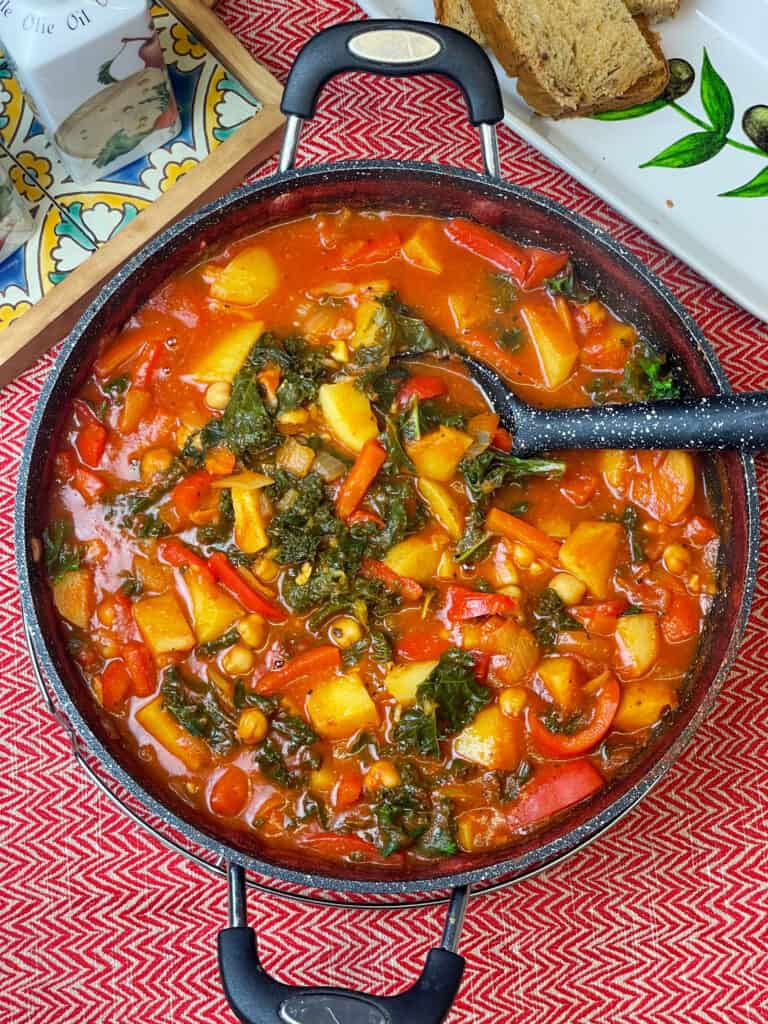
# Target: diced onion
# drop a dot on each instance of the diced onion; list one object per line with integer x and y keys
{"x": 328, "y": 467}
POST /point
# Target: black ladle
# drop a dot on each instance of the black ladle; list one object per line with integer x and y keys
{"x": 711, "y": 422}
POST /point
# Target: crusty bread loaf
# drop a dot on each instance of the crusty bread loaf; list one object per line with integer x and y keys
{"x": 459, "y": 14}
{"x": 574, "y": 56}
{"x": 654, "y": 9}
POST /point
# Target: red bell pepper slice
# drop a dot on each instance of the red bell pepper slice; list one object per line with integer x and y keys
{"x": 319, "y": 661}
{"x": 699, "y": 531}
{"x": 422, "y": 646}
{"x": 360, "y": 477}
{"x": 362, "y": 253}
{"x": 348, "y": 787}
{"x": 90, "y": 442}
{"x": 544, "y": 264}
{"x": 482, "y": 663}
{"x": 375, "y": 570}
{"x": 90, "y": 485}
{"x": 140, "y": 667}
{"x": 556, "y": 744}
{"x": 587, "y": 613}
{"x": 248, "y": 596}
{"x": 189, "y": 493}
{"x": 513, "y": 259}
{"x": 553, "y": 788}
{"x": 502, "y": 439}
{"x": 115, "y": 685}
{"x": 144, "y": 372}
{"x": 332, "y": 844}
{"x": 681, "y": 620}
{"x": 177, "y": 554}
{"x": 579, "y": 489}
{"x": 462, "y": 604}
{"x": 422, "y": 386}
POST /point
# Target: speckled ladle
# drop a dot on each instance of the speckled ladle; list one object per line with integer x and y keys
{"x": 711, "y": 422}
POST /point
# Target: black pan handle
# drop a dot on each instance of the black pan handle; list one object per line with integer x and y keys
{"x": 257, "y": 998}
{"x": 399, "y": 48}
{"x": 709, "y": 423}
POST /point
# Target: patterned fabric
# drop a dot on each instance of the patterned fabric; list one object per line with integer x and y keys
{"x": 661, "y": 921}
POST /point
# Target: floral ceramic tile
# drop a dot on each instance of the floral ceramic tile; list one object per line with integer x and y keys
{"x": 73, "y": 220}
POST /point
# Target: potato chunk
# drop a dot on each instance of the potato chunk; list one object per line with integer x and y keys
{"x": 340, "y": 706}
{"x": 643, "y": 703}
{"x": 74, "y": 598}
{"x": 561, "y": 677}
{"x": 416, "y": 557}
{"x": 418, "y": 251}
{"x": 250, "y": 533}
{"x": 637, "y": 644}
{"x": 590, "y": 554}
{"x": 443, "y": 506}
{"x": 404, "y": 680}
{"x": 225, "y": 356}
{"x": 437, "y": 454}
{"x": 213, "y": 610}
{"x": 492, "y": 740}
{"x": 553, "y": 341}
{"x": 248, "y": 278}
{"x": 668, "y": 489}
{"x": 163, "y": 624}
{"x": 162, "y": 726}
{"x": 348, "y": 414}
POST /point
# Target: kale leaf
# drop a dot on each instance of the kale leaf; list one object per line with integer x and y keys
{"x": 382, "y": 385}
{"x": 630, "y": 520}
{"x": 194, "y": 706}
{"x": 400, "y": 817}
{"x": 646, "y": 377}
{"x": 440, "y": 837}
{"x": 305, "y": 517}
{"x": 446, "y": 701}
{"x": 551, "y": 617}
{"x": 61, "y": 555}
{"x": 566, "y": 283}
{"x": 492, "y": 469}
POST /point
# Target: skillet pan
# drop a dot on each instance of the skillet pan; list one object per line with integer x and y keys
{"x": 390, "y": 48}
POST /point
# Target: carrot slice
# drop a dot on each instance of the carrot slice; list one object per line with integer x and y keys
{"x": 360, "y": 477}
{"x": 518, "y": 530}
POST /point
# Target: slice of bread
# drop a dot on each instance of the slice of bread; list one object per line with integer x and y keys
{"x": 574, "y": 57}
{"x": 459, "y": 14}
{"x": 654, "y": 9}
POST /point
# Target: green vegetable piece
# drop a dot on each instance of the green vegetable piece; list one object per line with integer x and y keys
{"x": 61, "y": 555}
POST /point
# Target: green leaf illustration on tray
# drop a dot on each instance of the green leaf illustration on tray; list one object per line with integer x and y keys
{"x": 700, "y": 146}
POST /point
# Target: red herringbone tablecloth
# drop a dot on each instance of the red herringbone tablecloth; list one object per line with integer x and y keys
{"x": 662, "y": 921}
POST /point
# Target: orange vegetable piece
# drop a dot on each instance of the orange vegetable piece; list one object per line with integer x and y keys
{"x": 230, "y": 792}
{"x": 516, "y": 529}
{"x": 360, "y": 477}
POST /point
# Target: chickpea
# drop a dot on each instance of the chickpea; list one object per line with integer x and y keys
{"x": 522, "y": 555}
{"x": 252, "y": 725}
{"x": 218, "y": 394}
{"x": 106, "y": 612}
{"x": 253, "y": 629}
{"x": 512, "y": 701}
{"x": 381, "y": 775}
{"x": 238, "y": 660}
{"x": 568, "y": 588}
{"x": 537, "y": 568}
{"x": 677, "y": 558}
{"x": 512, "y": 591}
{"x": 345, "y": 631}
{"x": 154, "y": 461}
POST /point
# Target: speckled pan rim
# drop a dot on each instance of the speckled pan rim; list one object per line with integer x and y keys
{"x": 512, "y": 868}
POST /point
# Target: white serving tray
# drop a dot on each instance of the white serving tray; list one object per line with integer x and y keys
{"x": 724, "y": 238}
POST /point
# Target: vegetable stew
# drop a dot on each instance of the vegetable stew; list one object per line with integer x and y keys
{"x": 311, "y": 583}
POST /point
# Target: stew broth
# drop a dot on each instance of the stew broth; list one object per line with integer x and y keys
{"x": 308, "y": 579}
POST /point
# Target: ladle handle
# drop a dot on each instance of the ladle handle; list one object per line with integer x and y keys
{"x": 714, "y": 422}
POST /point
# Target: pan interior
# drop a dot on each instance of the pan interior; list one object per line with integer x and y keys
{"x": 621, "y": 281}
